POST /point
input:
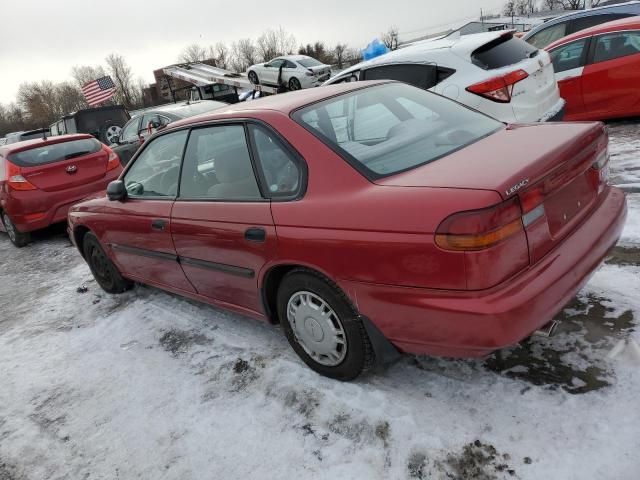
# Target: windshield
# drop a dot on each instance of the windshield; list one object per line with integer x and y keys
{"x": 309, "y": 62}
{"x": 390, "y": 128}
{"x": 56, "y": 152}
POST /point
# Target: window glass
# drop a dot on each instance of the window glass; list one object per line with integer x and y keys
{"x": 155, "y": 171}
{"x": 309, "y": 62}
{"x": 501, "y": 52}
{"x": 394, "y": 127}
{"x": 279, "y": 169}
{"x": 548, "y": 35}
{"x": 421, "y": 76}
{"x": 217, "y": 165}
{"x": 288, "y": 64}
{"x": 616, "y": 45}
{"x": 276, "y": 63}
{"x": 130, "y": 131}
{"x": 56, "y": 152}
{"x": 593, "y": 20}
{"x": 568, "y": 56}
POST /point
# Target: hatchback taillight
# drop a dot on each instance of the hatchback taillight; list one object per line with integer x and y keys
{"x": 114, "y": 160}
{"x": 15, "y": 180}
{"x": 479, "y": 229}
{"x": 498, "y": 89}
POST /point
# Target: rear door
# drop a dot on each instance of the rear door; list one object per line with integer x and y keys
{"x": 63, "y": 165}
{"x": 568, "y": 63}
{"x": 138, "y": 230}
{"x": 222, "y": 226}
{"x": 612, "y": 78}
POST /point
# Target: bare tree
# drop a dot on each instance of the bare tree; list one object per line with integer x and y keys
{"x": 84, "y": 74}
{"x": 121, "y": 75}
{"x": 244, "y": 54}
{"x": 68, "y": 98}
{"x": 509, "y": 8}
{"x": 273, "y": 43}
{"x": 339, "y": 53}
{"x": 193, "y": 53}
{"x": 221, "y": 55}
{"x": 390, "y": 38}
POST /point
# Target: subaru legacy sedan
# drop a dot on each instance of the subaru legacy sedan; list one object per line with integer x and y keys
{"x": 362, "y": 216}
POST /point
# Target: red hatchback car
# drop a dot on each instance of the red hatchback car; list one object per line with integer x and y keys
{"x": 362, "y": 214}
{"x": 598, "y": 70}
{"x": 41, "y": 178}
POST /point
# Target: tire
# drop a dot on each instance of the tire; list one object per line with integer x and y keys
{"x": 19, "y": 239}
{"x": 253, "y": 78}
{"x": 103, "y": 269}
{"x": 294, "y": 84}
{"x": 320, "y": 304}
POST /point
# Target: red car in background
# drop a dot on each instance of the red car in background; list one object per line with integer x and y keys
{"x": 41, "y": 178}
{"x": 360, "y": 214}
{"x": 598, "y": 70}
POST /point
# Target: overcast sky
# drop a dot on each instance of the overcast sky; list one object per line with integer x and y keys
{"x": 43, "y": 39}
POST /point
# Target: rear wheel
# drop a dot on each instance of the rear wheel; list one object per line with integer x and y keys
{"x": 103, "y": 269}
{"x": 18, "y": 238}
{"x": 253, "y": 78}
{"x": 322, "y": 326}
{"x": 294, "y": 84}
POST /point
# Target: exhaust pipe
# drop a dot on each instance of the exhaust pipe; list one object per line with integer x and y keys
{"x": 548, "y": 330}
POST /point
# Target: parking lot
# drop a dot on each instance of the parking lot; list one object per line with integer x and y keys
{"x": 150, "y": 385}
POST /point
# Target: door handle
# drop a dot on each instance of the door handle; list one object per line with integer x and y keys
{"x": 158, "y": 224}
{"x": 255, "y": 234}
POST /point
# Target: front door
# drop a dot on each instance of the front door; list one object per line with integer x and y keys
{"x": 568, "y": 63}
{"x": 139, "y": 233}
{"x": 612, "y": 78}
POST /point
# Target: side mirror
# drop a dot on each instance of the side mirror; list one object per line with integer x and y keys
{"x": 116, "y": 190}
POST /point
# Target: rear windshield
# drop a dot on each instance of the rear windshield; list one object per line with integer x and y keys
{"x": 501, "y": 52}
{"x": 309, "y": 62}
{"x": 390, "y": 128}
{"x": 55, "y": 152}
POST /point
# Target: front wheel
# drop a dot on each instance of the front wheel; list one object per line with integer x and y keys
{"x": 322, "y": 326}
{"x": 294, "y": 84}
{"x": 253, "y": 78}
{"x": 103, "y": 269}
{"x": 19, "y": 239}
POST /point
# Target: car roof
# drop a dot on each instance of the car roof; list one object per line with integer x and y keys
{"x": 294, "y": 57}
{"x": 627, "y": 7}
{"x": 40, "y": 142}
{"x": 284, "y": 103}
{"x": 613, "y": 26}
{"x": 461, "y": 45}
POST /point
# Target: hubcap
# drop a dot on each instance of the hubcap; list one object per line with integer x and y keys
{"x": 317, "y": 328}
{"x": 112, "y": 132}
{"x": 294, "y": 84}
{"x": 8, "y": 226}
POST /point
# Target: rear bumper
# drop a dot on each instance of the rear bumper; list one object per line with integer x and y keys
{"x": 475, "y": 323}
{"x": 555, "y": 114}
{"x": 37, "y": 209}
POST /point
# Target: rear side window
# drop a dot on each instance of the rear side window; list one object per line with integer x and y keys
{"x": 616, "y": 45}
{"x": 391, "y": 128}
{"x": 569, "y": 56}
{"x": 56, "y": 152}
{"x": 501, "y": 52}
{"x": 421, "y": 76}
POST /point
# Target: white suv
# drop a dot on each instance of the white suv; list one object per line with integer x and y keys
{"x": 495, "y": 73}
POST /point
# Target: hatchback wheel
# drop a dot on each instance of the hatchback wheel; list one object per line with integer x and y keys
{"x": 294, "y": 84}
{"x": 18, "y": 238}
{"x": 322, "y": 326}
{"x": 103, "y": 269}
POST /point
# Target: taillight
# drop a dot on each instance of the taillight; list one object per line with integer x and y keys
{"x": 113, "y": 162}
{"x": 498, "y": 89}
{"x": 15, "y": 180}
{"x": 601, "y": 169}
{"x": 479, "y": 229}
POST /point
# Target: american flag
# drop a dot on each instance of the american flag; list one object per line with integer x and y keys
{"x": 99, "y": 90}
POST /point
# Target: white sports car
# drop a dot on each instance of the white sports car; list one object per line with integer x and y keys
{"x": 495, "y": 73}
{"x": 298, "y": 71}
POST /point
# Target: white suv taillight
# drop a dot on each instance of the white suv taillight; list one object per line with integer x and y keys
{"x": 498, "y": 89}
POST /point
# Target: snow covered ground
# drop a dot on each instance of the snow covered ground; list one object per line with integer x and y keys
{"x": 148, "y": 385}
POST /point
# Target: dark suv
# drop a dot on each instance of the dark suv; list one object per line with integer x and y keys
{"x": 564, "y": 25}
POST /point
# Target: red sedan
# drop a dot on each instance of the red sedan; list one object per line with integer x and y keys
{"x": 598, "y": 70}
{"x": 361, "y": 215}
{"x": 41, "y": 178}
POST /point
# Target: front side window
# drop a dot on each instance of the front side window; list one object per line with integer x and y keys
{"x": 390, "y": 128}
{"x": 616, "y": 45}
{"x": 156, "y": 170}
{"x": 130, "y": 131}
{"x": 569, "y": 56}
{"x": 280, "y": 171}
{"x": 548, "y": 35}
{"x": 217, "y": 165}
{"x": 276, "y": 63}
